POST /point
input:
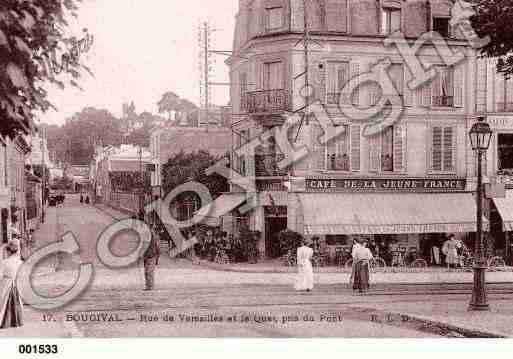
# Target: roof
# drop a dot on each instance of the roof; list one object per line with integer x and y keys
{"x": 191, "y": 139}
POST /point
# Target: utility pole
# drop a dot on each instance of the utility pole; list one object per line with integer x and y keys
{"x": 205, "y": 70}
{"x": 43, "y": 179}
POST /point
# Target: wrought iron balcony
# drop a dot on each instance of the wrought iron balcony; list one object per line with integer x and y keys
{"x": 266, "y": 101}
{"x": 443, "y": 101}
{"x": 267, "y": 166}
{"x": 504, "y": 106}
{"x": 270, "y": 185}
{"x": 505, "y": 177}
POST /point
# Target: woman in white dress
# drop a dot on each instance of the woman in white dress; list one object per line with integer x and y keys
{"x": 11, "y": 306}
{"x": 304, "y": 279}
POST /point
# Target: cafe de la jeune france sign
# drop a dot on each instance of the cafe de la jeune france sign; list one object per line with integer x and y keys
{"x": 385, "y": 185}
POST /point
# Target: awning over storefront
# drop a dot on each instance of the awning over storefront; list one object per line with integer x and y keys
{"x": 378, "y": 213}
{"x": 505, "y": 208}
{"x": 213, "y": 212}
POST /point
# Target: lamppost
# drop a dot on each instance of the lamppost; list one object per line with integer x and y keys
{"x": 480, "y": 136}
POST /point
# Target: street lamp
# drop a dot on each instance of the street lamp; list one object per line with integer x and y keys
{"x": 480, "y": 136}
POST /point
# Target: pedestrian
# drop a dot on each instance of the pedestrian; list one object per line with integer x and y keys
{"x": 450, "y": 249}
{"x": 151, "y": 260}
{"x": 304, "y": 280}
{"x": 87, "y": 200}
{"x": 81, "y": 198}
{"x": 11, "y": 305}
{"x": 361, "y": 267}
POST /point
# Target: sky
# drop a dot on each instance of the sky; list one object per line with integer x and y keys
{"x": 141, "y": 49}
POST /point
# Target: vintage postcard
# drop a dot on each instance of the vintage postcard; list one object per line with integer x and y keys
{"x": 255, "y": 169}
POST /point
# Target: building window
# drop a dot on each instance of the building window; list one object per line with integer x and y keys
{"x": 387, "y": 150}
{"x": 390, "y": 20}
{"x": 338, "y": 75}
{"x": 441, "y": 25}
{"x": 337, "y": 240}
{"x": 338, "y": 152}
{"x": 442, "y": 149}
{"x": 274, "y": 19}
{"x": 443, "y": 87}
{"x": 505, "y": 152}
{"x": 273, "y": 75}
{"x": 505, "y": 96}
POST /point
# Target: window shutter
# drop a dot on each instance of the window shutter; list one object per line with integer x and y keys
{"x": 336, "y": 15}
{"x": 425, "y": 94}
{"x": 436, "y": 149}
{"x": 355, "y": 133}
{"x": 318, "y": 152}
{"x": 400, "y": 148}
{"x": 448, "y": 149}
{"x": 317, "y": 78}
{"x": 407, "y": 93}
{"x": 375, "y": 153}
{"x": 355, "y": 71}
{"x": 458, "y": 85}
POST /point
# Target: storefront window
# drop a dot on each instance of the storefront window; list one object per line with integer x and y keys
{"x": 505, "y": 152}
{"x": 337, "y": 240}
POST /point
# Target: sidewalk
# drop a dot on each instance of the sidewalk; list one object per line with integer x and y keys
{"x": 35, "y": 327}
{"x": 449, "y": 316}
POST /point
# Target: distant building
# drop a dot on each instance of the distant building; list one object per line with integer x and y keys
{"x": 119, "y": 176}
{"x": 165, "y": 143}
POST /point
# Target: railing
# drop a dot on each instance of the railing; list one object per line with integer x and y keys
{"x": 267, "y": 165}
{"x": 505, "y": 177}
{"x": 266, "y": 101}
{"x": 337, "y": 98}
{"x": 443, "y": 101}
{"x": 504, "y": 106}
{"x": 270, "y": 185}
{"x": 338, "y": 162}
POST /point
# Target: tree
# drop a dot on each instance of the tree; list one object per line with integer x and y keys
{"x": 33, "y": 51}
{"x": 168, "y": 103}
{"x": 75, "y": 141}
{"x": 493, "y": 19}
{"x": 188, "y": 113}
{"x": 184, "y": 167}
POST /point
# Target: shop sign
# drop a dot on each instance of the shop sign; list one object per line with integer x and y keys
{"x": 500, "y": 122}
{"x": 386, "y": 185}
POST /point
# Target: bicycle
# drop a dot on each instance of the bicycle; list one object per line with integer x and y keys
{"x": 222, "y": 257}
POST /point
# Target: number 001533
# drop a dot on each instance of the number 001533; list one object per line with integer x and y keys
{"x": 38, "y": 349}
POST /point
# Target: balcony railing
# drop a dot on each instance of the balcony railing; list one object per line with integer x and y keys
{"x": 266, "y": 101}
{"x": 443, "y": 101}
{"x": 270, "y": 185}
{"x": 267, "y": 165}
{"x": 505, "y": 177}
{"x": 504, "y": 106}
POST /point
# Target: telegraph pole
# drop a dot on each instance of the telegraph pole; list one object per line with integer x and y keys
{"x": 43, "y": 179}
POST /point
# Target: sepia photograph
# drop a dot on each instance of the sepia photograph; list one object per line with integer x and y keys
{"x": 255, "y": 169}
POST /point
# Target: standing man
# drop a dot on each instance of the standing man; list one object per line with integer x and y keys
{"x": 151, "y": 260}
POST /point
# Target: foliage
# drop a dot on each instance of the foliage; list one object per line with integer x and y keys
{"x": 168, "y": 103}
{"x": 32, "y": 34}
{"x": 129, "y": 181}
{"x": 38, "y": 171}
{"x": 186, "y": 112}
{"x": 289, "y": 240}
{"x": 493, "y": 18}
{"x": 75, "y": 141}
{"x": 184, "y": 167}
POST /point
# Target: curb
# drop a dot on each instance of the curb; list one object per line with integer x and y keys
{"x": 446, "y": 329}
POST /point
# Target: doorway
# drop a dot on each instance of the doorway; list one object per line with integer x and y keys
{"x": 273, "y": 227}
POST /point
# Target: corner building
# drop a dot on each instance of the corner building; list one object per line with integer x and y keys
{"x": 405, "y": 187}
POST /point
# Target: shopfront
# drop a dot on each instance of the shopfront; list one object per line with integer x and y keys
{"x": 403, "y": 219}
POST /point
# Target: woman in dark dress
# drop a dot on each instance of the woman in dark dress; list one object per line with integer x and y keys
{"x": 11, "y": 306}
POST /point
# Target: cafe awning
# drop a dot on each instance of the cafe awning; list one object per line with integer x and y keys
{"x": 224, "y": 204}
{"x": 384, "y": 213}
{"x": 505, "y": 208}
